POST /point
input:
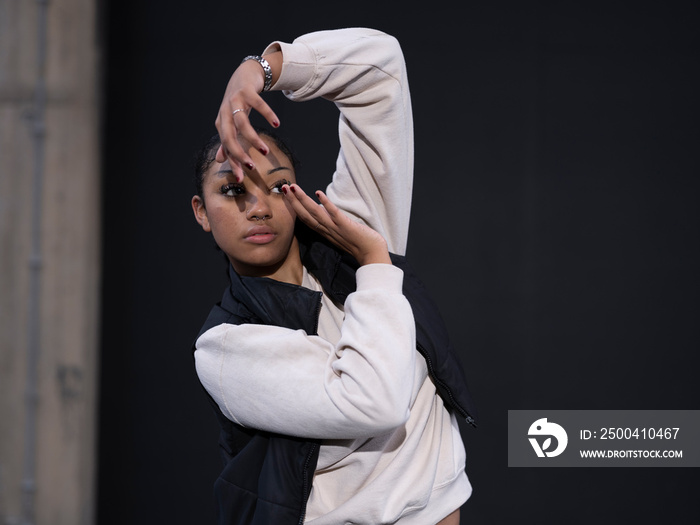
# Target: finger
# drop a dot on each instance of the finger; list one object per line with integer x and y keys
{"x": 314, "y": 209}
{"x": 332, "y": 210}
{"x": 225, "y": 127}
{"x": 247, "y": 132}
{"x": 318, "y": 218}
{"x": 310, "y": 212}
{"x": 236, "y": 165}
{"x": 314, "y": 216}
{"x": 220, "y": 155}
{"x": 237, "y": 171}
{"x": 226, "y": 124}
{"x": 266, "y": 112}
{"x": 245, "y": 128}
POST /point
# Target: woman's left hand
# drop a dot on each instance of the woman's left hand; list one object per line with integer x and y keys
{"x": 359, "y": 240}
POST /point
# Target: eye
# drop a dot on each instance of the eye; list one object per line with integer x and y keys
{"x": 232, "y": 189}
{"x": 277, "y": 188}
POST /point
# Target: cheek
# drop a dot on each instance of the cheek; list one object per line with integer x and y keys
{"x": 222, "y": 219}
{"x": 284, "y": 211}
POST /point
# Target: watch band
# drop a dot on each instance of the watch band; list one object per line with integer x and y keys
{"x": 266, "y": 68}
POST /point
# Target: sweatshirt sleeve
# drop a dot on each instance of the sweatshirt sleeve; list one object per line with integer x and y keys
{"x": 363, "y": 72}
{"x": 285, "y": 381}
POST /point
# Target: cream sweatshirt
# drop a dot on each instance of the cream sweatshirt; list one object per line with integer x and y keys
{"x": 391, "y": 452}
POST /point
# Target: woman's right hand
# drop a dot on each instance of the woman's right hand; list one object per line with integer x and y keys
{"x": 359, "y": 240}
{"x": 243, "y": 93}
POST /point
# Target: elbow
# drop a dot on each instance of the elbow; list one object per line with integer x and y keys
{"x": 388, "y": 55}
{"x": 397, "y": 418}
{"x": 390, "y": 421}
{"x": 379, "y": 417}
{"x": 397, "y": 406}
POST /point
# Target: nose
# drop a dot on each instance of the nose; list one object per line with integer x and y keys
{"x": 257, "y": 207}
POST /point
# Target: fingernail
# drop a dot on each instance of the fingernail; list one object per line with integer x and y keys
{"x": 263, "y": 151}
{"x": 293, "y": 189}
{"x": 284, "y": 190}
{"x": 275, "y": 124}
{"x": 249, "y": 165}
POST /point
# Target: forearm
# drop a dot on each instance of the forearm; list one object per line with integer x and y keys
{"x": 285, "y": 381}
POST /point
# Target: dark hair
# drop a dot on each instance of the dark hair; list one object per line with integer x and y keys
{"x": 206, "y": 155}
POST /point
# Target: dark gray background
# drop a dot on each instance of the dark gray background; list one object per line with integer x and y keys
{"x": 555, "y": 218}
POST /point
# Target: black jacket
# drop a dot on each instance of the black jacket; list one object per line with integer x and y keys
{"x": 267, "y": 478}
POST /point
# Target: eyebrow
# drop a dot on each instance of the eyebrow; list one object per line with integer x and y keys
{"x": 278, "y": 168}
{"x": 223, "y": 173}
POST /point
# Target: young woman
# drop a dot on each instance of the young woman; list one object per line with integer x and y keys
{"x": 328, "y": 365}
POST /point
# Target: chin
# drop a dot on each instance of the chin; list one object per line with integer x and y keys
{"x": 260, "y": 260}
{"x": 257, "y": 265}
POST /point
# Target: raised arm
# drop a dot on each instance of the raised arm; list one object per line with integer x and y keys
{"x": 363, "y": 72}
{"x": 285, "y": 381}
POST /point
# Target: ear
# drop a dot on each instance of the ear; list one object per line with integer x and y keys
{"x": 200, "y": 213}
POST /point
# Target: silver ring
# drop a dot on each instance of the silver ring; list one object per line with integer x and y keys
{"x": 233, "y": 113}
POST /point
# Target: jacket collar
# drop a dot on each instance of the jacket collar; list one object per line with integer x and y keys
{"x": 288, "y": 305}
{"x": 274, "y": 302}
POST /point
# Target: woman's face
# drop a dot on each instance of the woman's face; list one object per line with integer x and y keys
{"x": 251, "y": 221}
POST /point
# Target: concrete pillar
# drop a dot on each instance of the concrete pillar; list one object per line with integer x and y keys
{"x": 63, "y": 459}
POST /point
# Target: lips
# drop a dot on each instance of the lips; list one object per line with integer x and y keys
{"x": 260, "y": 235}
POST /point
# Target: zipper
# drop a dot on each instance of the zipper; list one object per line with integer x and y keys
{"x": 318, "y": 312}
{"x": 431, "y": 370}
{"x": 306, "y": 489}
